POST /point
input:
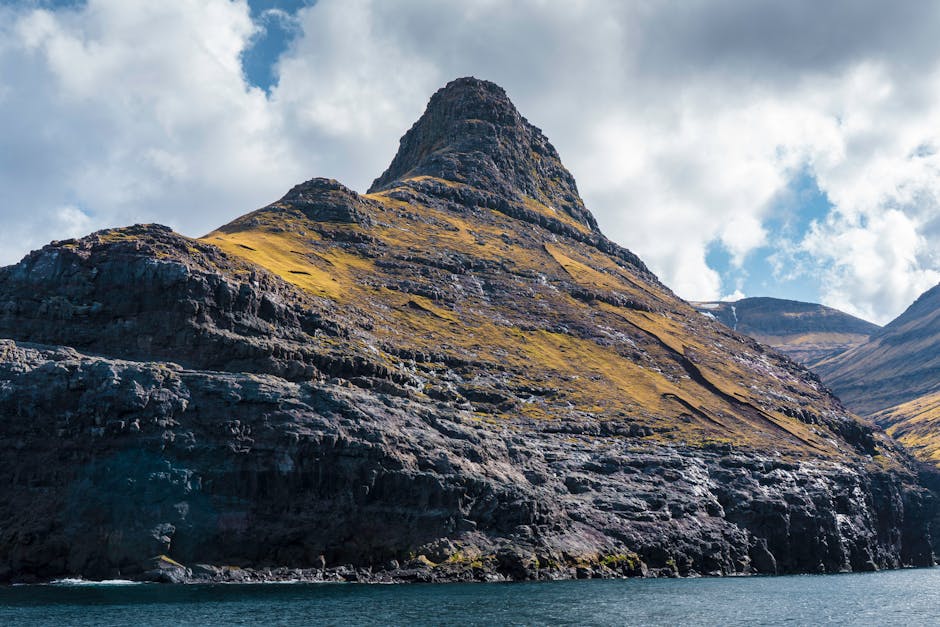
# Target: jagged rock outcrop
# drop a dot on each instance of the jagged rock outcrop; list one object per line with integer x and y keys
{"x": 325, "y": 200}
{"x": 147, "y": 293}
{"x": 453, "y": 377}
{"x": 472, "y": 134}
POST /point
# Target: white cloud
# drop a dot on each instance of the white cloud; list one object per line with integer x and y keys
{"x": 734, "y": 296}
{"x": 135, "y": 111}
{"x": 873, "y": 263}
{"x": 682, "y": 121}
{"x": 349, "y": 88}
{"x": 72, "y": 221}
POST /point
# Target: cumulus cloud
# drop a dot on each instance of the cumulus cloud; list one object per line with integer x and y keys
{"x": 133, "y": 111}
{"x": 683, "y": 122}
{"x": 72, "y": 221}
{"x": 871, "y": 263}
{"x": 349, "y": 87}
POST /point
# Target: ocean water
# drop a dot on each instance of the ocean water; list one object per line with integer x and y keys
{"x": 907, "y": 597}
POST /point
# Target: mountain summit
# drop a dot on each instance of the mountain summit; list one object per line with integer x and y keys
{"x": 455, "y": 376}
{"x": 471, "y": 133}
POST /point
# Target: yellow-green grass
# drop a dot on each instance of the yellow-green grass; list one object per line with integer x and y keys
{"x": 916, "y": 424}
{"x": 515, "y": 343}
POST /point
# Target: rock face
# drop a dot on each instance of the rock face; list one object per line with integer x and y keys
{"x": 453, "y": 377}
{"x": 228, "y": 468}
{"x": 323, "y": 200}
{"x": 806, "y": 332}
{"x": 146, "y": 293}
{"x": 472, "y": 134}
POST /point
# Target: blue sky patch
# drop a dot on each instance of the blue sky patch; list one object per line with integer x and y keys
{"x": 275, "y": 17}
{"x": 258, "y": 62}
{"x": 790, "y": 216}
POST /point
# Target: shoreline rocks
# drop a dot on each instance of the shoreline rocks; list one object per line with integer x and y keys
{"x": 253, "y": 469}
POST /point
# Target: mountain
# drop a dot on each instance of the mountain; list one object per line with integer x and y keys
{"x": 891, "y": 375}
{"x": 805, "y": 332}
{"x": 894, "y": 378}
{"x": 899, "y": 363}
{"x": 455, "y": 376}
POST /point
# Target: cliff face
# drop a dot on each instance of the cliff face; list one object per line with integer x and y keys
{"x": 806, "y": 332}
{"x": 454, "y": 376}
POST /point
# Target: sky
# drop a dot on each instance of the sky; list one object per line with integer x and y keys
{"x": 740, "y": 147}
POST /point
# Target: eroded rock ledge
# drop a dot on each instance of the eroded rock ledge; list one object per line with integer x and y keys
{"x": 271, "y": 476}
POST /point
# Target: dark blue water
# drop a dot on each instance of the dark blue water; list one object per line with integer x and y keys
{"x": 910, "y": 597}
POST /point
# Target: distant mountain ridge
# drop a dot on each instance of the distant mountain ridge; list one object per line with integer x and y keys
{"x": 888, "y": 374}
{"x": 806, "y": 332}
{"x": 899, "y": 363}
{"x": 894, "y": 378}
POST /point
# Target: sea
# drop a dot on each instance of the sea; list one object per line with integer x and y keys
{"x": 902, "y": 597}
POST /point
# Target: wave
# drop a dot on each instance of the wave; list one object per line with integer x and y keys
{"x": 69, "y": 581}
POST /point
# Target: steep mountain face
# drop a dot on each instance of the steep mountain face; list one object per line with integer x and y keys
{"x": 806, "y": 332}
{"x": 898, "y": 364}
{"x": 472, "y": 135}
{"x": 453, "y": 376}
{"x": 894, "y": 378}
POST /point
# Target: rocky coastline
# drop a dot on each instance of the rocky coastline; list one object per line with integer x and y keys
{"x": 455, "y": 377}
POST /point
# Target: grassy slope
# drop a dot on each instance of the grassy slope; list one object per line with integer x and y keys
{"x": 653, "y": 362}
{"x": 894, "y": 378}
{"x": 916, "y": 424}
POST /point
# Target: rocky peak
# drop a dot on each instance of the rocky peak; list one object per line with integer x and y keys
{"x": 471, "y": 133}
{"x": 325, "y": 200}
